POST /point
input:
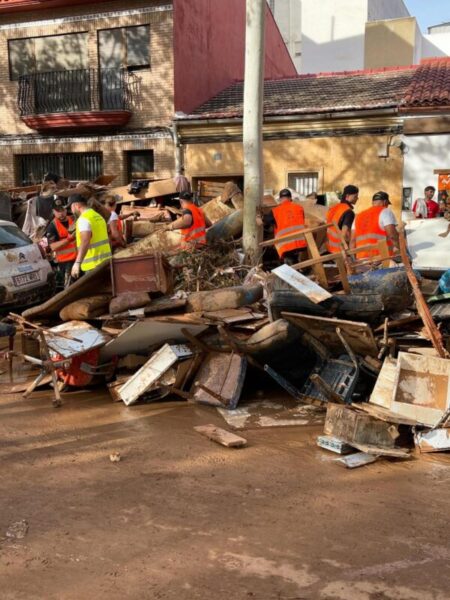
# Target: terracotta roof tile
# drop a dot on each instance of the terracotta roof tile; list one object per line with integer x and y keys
{"x": 427, "y": 84}
{"x": 430, "y": 85}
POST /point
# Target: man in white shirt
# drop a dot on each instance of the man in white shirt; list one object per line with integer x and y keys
{"x": 375, "y": 224}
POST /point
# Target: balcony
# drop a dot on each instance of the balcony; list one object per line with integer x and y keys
{"x": 12, "y": 6}
{"x": 81, "y": 99}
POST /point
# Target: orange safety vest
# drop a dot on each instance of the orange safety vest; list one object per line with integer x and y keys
{"x": 69, "y": 252}
{"x": 368, "y": 231}
{"x": 113, "y": 243}
{"x": 289, "y": 218}
{"x": 333, "y": 216}
{"x": 195, "y": 235}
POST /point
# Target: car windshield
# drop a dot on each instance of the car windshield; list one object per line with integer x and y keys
{"x": 12, "y": 237}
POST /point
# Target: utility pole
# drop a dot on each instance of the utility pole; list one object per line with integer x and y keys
{"x": 253, "y": 118}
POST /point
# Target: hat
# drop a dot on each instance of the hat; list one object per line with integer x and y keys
{"x": 58, "y": 204}
{"x": 286, "y": 193}
{"x": 185, "y": 196}
{"x": 381, "y": 196}
{"x": 76, "y": 198}
{"x": 350, "y": 190}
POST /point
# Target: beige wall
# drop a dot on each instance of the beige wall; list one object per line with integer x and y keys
{"x": 390, "y": 43}
{"x": 114, "y": 158}
{"x": 153, "y": 89}
{"x": 338, "y": 160}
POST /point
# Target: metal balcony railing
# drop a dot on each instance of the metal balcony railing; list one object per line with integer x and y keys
{"x": 79, "y": 90}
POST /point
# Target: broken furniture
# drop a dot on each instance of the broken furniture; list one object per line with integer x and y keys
{"x": 141, "y": 273}
{"x": 69, "y": 353}
{"x": 154, "y": 373}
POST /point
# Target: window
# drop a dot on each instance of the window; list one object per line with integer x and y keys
{"x": 48, "y": 53}
{"x": 76, "y": 166}
{"x": 140, "y": 164}
{"x": 12, "y": 237}
{"x": 304, "y": 183}
{"x": 124, "y": 47}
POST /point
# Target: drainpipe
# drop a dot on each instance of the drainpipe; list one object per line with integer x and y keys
{"x": 178, "y": 150}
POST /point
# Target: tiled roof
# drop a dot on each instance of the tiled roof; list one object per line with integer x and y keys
{"x": 427, "y": 84}
{"x": 430, "y": 85}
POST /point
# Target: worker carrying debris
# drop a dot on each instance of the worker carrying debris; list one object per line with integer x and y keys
{"x": 62, "y": 241}
{"x": 192, "y": 223}
{"x": 342, "y": 216}
{"x": 375, "y": 224}
{"x": 91, "y": 235}
{"x": 286, "y": 218}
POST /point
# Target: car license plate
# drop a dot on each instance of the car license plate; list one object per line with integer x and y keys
{"x": 20, "y": 280}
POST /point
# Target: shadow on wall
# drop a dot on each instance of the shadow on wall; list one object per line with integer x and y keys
{"x": 344, "y": 160}
{"x": 336, "y": 55}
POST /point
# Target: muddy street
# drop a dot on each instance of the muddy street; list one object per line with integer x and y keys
{"x": 180, "y": 517}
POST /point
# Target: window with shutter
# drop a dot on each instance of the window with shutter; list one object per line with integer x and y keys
{"x": 48, "y": 53}
{"x": 127, "y": 47}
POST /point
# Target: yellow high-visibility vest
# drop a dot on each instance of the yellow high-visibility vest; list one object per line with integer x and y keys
{"x": 99, "y": 248}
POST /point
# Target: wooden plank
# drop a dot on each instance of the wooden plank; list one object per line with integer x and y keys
{"x": 423, "y": 309}
{"x": 220, "y": 379}
{"x": 384, "y": 387}
{"x": 314, "y": 253}
{"x": 292, "y": 237}
{"x": 358, "y": 335}
{"x": 221, "y": 436}
{"x": 360, "y": 459}
{"x": 302, "y": 284}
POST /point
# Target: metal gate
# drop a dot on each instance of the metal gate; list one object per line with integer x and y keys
{"x": 76, "y": 166}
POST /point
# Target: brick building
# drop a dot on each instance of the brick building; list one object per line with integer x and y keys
{"x": 90, "y": 88}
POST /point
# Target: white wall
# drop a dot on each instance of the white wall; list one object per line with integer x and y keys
{"x": 378, "y": 10}
{"x": 288, "y": 15}
{"x": 436, "y": 44}
{"x": 425, "y": 153}
{"x": 333, "y": 35}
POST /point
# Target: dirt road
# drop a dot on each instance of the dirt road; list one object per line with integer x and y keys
{"x": 180, "y": 517}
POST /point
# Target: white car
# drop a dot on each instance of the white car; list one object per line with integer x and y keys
{"x": 26, "y": 276}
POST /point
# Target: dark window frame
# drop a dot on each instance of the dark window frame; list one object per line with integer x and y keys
{"x": 129, "y": 156}
{"x": 34, "y": 37}
{"x": 126, "y": 66}
{"x": 59, "y": 163}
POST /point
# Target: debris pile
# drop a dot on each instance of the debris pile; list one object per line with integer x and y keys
{"x": 351, "y": 344}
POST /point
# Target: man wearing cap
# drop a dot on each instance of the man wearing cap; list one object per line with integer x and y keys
{"x": 91, "y": 234}
{"x": 341, "y": 216}
{"x": 61, "y": 240}
{"x": 375, "y": 224}
{"x": 192, "y": 223}
{"x": 287, "y": 218}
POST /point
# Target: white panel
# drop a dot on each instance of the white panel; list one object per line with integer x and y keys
{"x": 424, "y": 154}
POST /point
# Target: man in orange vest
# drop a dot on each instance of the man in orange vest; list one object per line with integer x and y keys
{"x": 342, "y": 216}
{"x": 287, "y": 218}
{"x": 61, "y": 241}
{"x": 192, "y": 223}
{"x": 375, "y": 224}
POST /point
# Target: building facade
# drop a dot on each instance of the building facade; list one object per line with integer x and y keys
{"x": 378, "y": 129}
{"x": 347, "y": 35}
{"x": 91, "y": 88}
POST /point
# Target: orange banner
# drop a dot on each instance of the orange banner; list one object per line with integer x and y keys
{"x": 444, "y": 182}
